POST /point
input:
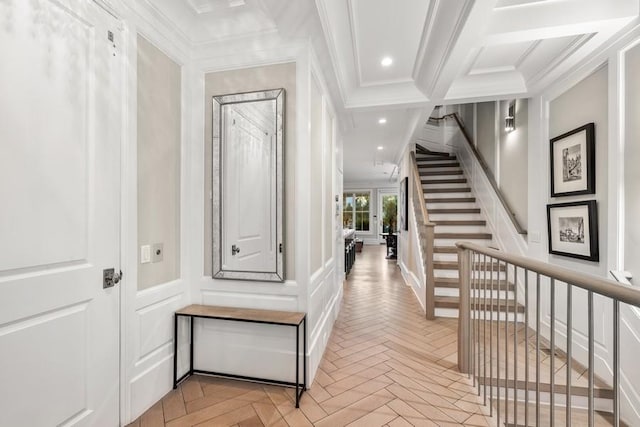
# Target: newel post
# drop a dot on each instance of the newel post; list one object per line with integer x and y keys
{"x": 430, "y": 286}
{"x": 464, "y": 310}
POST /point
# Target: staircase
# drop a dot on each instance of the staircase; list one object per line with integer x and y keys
{"x": 453, "y": 209}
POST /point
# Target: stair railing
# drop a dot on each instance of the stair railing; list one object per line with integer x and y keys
{"x": 485, "y": 168}
{"x": 484, "y": 352}
{"x": 426, "y": 234}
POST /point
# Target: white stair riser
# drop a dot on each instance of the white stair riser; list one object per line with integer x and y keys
{"x": 445, "y": 257}
{"x": 454, "y": 216}
{"x": 461, "y": 229}
{"x": 445, "y": 185}
{"x": 451, "y": 205}
{"x": 447, "y": 195}
{"x": 447, "y": 171}
{"x": 452, "y": 242}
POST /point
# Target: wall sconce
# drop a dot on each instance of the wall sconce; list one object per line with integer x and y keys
{"x": 510, "y": 120}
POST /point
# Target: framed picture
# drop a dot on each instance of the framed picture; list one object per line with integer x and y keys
{"x": 573, "y": 162}
{"x": 573, "y": 229}
{"x": 404, "y": 204}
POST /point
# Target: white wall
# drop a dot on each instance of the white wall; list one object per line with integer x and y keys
{"x": 410, "y": 256}
{"x": 582, "y": 104}
{"x": 486, "y": 133}
{"x": 631, "y": 162}
{"x": 311, "y": 283}
{"x": 513, "y": 159}
{"x": 594, "y": 94}
{"x": 147, "y": 314}
{"x": 505, "y": 153}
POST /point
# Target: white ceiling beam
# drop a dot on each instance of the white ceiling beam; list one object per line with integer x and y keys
{"x": 449, "y": 47}
{"x": 543, "y": 20}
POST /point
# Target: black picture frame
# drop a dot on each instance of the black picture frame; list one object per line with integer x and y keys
{"x": 573, "y": 229}
{"x": 573, "y": 162}
{"x": 404, "y": 204}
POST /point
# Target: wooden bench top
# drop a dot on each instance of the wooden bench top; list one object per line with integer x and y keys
{"x": 245, "y": 314}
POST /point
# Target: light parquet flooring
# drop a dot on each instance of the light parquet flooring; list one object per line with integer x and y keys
{"x": 385, "y": 365}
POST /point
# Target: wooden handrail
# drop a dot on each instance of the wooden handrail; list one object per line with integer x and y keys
{"x": 485, "y": 168}
{"x": 428, "y": 235}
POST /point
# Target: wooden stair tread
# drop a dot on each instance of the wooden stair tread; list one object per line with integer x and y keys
{"x": 446, "y": 282}
{"x": 455, "y": 211}
{"x": 445, "y": 249}
{"x": 440, "y": 165}
{"x": 598, "y": 392}
{"x": 461, "y": 222}
{"x": 444, "y": 181}
{"x": 434, "y": 158}
{"x": 452, "y": 283}
{"x": 482, "y": 236}
{"x": 447, "y": 190}
{"x": 422, "y": 150}
{"x": 454, "y": 302}
{"x": 436, "y": 173}
{"x": 451, "y": 200}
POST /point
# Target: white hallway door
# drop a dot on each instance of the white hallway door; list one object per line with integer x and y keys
{"x": 60, "y": 125}
{"x": 249, "y": 188}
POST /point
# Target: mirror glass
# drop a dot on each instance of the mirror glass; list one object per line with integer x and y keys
{"x": 247, "y": 194}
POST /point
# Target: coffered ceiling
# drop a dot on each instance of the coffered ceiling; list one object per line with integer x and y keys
{"x": 441, "y": 52}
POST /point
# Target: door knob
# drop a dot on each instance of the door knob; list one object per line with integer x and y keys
{"x": 110, "y": 278}
{"x": 234, "y": 249}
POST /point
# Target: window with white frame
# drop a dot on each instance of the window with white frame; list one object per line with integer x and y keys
{"x": 356, "y": 211}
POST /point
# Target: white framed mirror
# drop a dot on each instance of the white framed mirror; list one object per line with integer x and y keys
{"x": 248, "y": 186}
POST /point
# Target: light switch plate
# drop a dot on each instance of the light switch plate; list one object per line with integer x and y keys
{"x": 157, "y": 252}
{"x": 145, "y": 254}
{"x": 535, "y": 237}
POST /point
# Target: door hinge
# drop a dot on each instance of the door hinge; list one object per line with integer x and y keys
{"x": 280, "y": 247}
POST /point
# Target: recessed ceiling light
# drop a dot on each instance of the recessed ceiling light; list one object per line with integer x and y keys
{"x": 386, "y": 61}
{"x": 382, "y": 120}
{"x": 380, "y": 147}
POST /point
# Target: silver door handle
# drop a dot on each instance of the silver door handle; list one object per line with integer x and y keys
{"x": 110, "y": 278}
{"x": 234, "y": 249}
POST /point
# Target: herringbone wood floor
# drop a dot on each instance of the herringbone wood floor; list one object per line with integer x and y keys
{"x": 385, "y": 365}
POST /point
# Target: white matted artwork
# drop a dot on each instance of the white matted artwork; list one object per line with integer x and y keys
{"x": 573, "y": 229}
{"x": 573, "y": 162}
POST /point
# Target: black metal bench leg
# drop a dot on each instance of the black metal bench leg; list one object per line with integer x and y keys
{"x": 191, "y": 350}
{"x": 297, "y": 365}
{"x": 175, "y": 351}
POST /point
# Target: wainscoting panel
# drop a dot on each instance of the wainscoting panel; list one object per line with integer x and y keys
{"x": 152, "y": 375}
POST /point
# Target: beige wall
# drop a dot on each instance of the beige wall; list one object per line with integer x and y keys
{"x": 159, "y": 115}
{"x": 631, "y": 162}
{"x": 486, "y": 133}
{"x": 250, "y": 80}
{"x": 586, "y": 102}
{"x": 513, "y": 158}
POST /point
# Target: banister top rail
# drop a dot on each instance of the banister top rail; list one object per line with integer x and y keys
{"x": 604, "y": 287}
{"x": 418, "y": 183}
{"x": 485, "y": 168}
